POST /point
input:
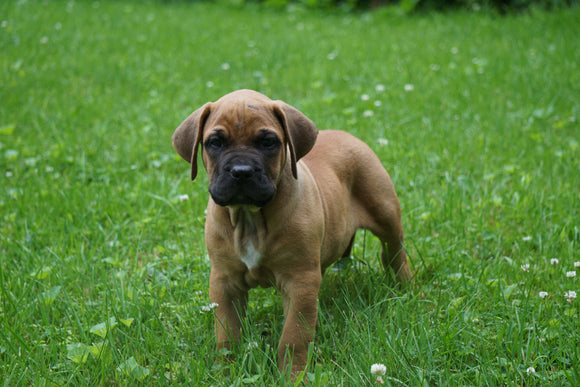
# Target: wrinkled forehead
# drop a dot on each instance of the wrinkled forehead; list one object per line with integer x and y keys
{"x": 242, "y": 115}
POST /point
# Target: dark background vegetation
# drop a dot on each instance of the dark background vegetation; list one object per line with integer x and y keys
{"x": 408, "y": 6}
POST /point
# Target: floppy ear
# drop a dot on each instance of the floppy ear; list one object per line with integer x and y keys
{"x": 188, "y": 135}
{"x": 299, "y": 130}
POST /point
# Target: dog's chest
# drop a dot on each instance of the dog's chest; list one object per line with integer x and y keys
{"x": 249, "y": 228}
{"x": 251, "y": 257}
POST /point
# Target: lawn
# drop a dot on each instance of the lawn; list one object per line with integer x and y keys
{"x": 104, "y": 273}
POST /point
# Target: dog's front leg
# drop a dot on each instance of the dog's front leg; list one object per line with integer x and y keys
{"x": 300, "y": 294}
{"x": 231, "y": 298}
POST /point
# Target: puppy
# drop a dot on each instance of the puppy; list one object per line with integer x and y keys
{"x": 285, "y": 203}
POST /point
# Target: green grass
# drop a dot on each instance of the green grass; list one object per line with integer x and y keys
{"x": 103, "y": 268}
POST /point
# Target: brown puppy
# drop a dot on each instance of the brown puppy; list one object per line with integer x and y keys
{"x": 285, "y": 203}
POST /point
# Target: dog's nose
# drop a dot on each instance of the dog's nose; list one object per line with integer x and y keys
{"x": 242, "y": 172}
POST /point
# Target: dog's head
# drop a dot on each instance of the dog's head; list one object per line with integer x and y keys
{"x": 246, "y": 141}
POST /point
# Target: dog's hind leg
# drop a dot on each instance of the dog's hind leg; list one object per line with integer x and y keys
{"x": 345, "y": 260}
{"x": 397, "y": 261}
{"x": 384, "y": 221}
{"x": 393, "y": 255}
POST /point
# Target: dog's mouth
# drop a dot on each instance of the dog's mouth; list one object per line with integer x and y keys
{"x": 239, "y": 199}
{"x": 242, "y": 186}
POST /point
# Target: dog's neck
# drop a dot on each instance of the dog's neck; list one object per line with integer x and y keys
{"x": 249, "y": 227}
{"x": 250, "y": 231}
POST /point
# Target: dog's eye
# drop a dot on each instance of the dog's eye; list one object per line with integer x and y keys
{"x": 268, "y": 143}
{"x": 214, "y": 142}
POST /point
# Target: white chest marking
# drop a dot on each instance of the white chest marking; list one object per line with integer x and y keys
{"x": 251, "y": 258}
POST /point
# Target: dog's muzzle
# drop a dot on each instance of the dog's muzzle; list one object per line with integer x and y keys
{"x": 242, "y": 181}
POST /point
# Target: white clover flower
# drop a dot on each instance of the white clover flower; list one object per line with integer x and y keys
{"x": 378, "y": 369}
{"x": 527, "y": 238}
{"x": 332, "y": 55}
{"x": 570, "y": 295}
{"x": 377, "y": 103}
{"x": 409, "y": 87}
{"x": 368, "y": 113}
{"x": 531, "y": 370}
{"x": 383, "y": 141}
{"x": 209, "y": 84}
{"x": 183, "y": 197}
{"x": 554, "y": 261}
{"x": 365, "y": 97}
{"x": 570, "y": 274}
{"x": 209, "y": 308}
{"x": 525, "y": 267}
{"x": 577, "y": 264}
{"x": 543, "y": 294}
{"x": 225, "y": 66}
{"x": 380, "y": 88}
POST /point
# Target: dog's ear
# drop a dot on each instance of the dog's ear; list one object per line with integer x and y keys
{"x": 189, "y": 134}
{"x": 299, "y": 130}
